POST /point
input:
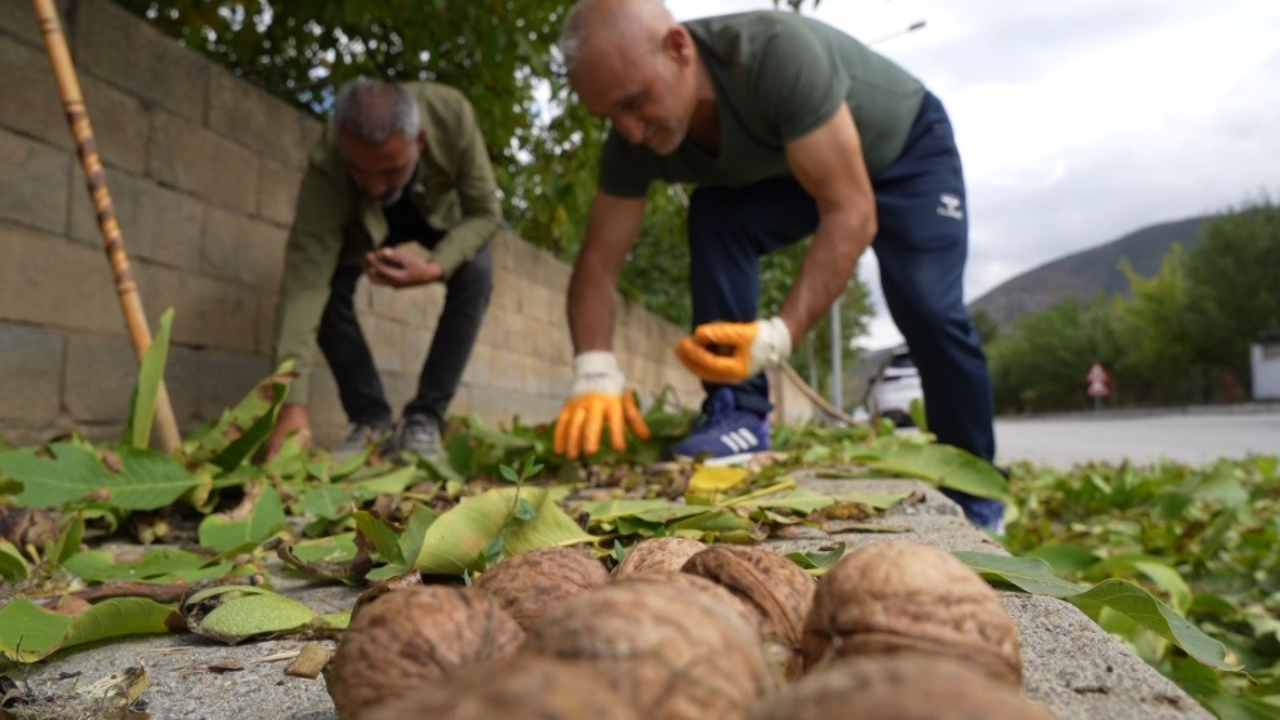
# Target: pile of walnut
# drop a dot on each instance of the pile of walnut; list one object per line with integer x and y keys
{"x": 894, "y": 631}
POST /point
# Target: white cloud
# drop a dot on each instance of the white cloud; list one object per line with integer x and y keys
{"x": 1080, "y": 121}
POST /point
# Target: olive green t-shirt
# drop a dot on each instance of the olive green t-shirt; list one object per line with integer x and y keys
{"x": 777, "y": 75}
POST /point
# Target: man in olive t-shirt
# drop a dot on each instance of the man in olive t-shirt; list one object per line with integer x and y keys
{"x": 399, "y": 190}
{"x": 791, "y": 129}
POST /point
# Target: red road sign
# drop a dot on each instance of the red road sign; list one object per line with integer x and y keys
{"x": 1099, "y": 381}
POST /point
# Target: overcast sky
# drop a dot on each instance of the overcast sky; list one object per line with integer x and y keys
{"x": 1080, "y": 120}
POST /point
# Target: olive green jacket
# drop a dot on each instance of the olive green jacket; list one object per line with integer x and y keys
{"x": 335, "y": 223}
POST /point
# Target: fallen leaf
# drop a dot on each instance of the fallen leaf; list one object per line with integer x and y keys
{"x": 118, "y": 690}
{"x": 227, "y": 665}
{"x": 310, "y": 661}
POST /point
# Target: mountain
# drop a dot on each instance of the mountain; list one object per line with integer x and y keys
{"x": 1083, "y": 274}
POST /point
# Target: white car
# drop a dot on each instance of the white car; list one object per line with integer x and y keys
{"x": 894, "y": 389}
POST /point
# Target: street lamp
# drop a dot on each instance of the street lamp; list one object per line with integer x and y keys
{"x": 908, "y": 29}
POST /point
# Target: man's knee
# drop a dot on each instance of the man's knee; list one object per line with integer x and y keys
{"x": 473, "y": 280}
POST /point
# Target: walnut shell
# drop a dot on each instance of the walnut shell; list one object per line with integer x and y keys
{"x": 526, "y": 585}
{"x": 725, "y": 601}
{"x": 907, "y": 686}
{"x": 773, "y": 586}
{"x": 413, "y": 578}
{"x": 409, "y": 637}
{"x": 533, "y": 687}
{"x": 659, "y": 554}
{"x": 669, "y": 653}
{"x": 896, "y": 596}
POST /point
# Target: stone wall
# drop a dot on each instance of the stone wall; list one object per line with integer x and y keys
{"x": 203, "y": 169}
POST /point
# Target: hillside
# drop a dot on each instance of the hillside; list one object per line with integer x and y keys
{"x": 1083, "y": 274}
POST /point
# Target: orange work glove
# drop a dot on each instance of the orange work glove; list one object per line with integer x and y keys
{"x": 731, "y": 352}
{"x": 599, "y": 394}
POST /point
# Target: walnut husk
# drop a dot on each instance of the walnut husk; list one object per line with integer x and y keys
{"x": 775, "y": 587}
{"x": 659, "y": 554}
{"x": 670, "y": 653}
{"x": 531, "y": 687}
{"x": 899, "y": 596}
{"x": 907, "y": 686}
{"x": 407, "y": 638}
{"x": 527, "y": 585}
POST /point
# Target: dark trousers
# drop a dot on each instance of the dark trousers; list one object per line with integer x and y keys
{"x": 345, "y": 349}
{"x": 922, "y": 245}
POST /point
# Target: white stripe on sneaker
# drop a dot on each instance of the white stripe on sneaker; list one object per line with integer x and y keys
{"x": 749, "y": 436}
{"x": 735, "y": 444}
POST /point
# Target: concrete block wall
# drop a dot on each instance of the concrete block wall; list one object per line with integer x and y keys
{"x": 203, "y": 170}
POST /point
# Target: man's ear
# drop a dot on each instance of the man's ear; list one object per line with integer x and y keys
{"x": 422, "y": 139}
{"x": 679, "y": 44}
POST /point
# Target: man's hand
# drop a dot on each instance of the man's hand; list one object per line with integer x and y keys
{"x": 393, "y": 268}
{"x": 599, "y": 394}
{"x": 292, "y": 419}
{"x": 726, "y": 352}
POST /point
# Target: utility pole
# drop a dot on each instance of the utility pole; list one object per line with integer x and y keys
{"x": 836, "y": 391}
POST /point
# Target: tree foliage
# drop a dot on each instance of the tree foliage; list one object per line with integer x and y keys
{"x": 1180, "y": 336}
{"x": 1233, "y": 285}
{"x": 502, "y": 54}
{"x": 499, "y": 52}
{"x": 1041, "y": 362}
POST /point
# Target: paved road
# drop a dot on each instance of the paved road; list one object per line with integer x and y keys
{"x": 1192, "y": 438}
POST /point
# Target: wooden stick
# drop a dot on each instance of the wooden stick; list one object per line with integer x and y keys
{"x": 78, "y": 120}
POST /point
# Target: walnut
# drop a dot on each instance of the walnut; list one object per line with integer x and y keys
{"x": 413, "y": 578}
{"x": 725, "y": 602}
{"x": 671, "y": 654}
{"x": 526, "y": 585}
{"x": 660, "y": 554}
{"x": 27, "y": 526}
{"x": 906, "y": 686}
{"x": 532, "y": 687}
{"x": 773, "y": 586}
{"x": 407, "y": 638}
{"x": 897, "y": 596}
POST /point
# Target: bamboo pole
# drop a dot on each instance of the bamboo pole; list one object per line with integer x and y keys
{"x": 127, "y": 289}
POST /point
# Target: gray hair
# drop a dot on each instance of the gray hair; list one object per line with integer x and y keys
{"x": 373, "y": 111}
{"x": 619, "y": 20}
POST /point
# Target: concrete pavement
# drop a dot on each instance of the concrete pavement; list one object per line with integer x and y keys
{"x": 1192, "y": 437}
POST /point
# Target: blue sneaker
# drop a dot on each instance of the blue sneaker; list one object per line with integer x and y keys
{"x": 985, "y": 513}
{"x": 724, "y": 435}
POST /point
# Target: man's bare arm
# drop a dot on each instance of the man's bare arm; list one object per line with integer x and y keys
{"x": 828, "y": 163}
{"x": 612, "y": 226}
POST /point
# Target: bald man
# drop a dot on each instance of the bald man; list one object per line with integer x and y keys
{"x": 400, "y": 191}
{"x": 791, "y": 129}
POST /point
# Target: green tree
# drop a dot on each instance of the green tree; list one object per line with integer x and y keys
{"x": 1232, "y": 287}
{"x": 986, "y": 327}
{"x": 543, "y": 143}
{"x": 1040, "y": 363}
{"x": 1158, "y": 363}
{"x": 500, "y": 52}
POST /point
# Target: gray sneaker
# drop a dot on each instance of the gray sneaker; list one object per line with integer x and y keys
{"x": 420, "y": 434}
{"x": 363, "y": 435}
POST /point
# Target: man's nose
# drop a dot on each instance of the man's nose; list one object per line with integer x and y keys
{"x": 631, "y": 128}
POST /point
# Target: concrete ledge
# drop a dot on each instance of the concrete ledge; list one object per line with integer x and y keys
{"x": 1071, "y": 665}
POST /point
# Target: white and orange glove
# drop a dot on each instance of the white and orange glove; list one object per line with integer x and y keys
{"x": 731, "y": 352}
{"x": 600, "y": 395}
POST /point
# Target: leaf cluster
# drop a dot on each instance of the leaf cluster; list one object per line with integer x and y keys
{"x": 1201, "y": 540}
